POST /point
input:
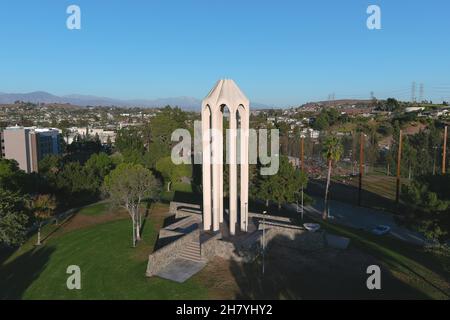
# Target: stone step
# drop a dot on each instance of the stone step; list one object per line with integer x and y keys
{"x": 192, "y": 251}
{"x": 194, "y": 246}
{"x": 191, "y": 254}
{"x": 194, "y": 257}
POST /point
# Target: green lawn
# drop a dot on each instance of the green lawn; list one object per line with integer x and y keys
{"x": 110, "y": 268}
{"x": 176, "y": 187}
{"x": 96, "y": 209}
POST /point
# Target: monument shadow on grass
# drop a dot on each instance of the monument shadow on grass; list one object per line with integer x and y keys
{"x": 327, "y": 273}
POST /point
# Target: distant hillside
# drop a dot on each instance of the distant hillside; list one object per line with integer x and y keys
{"x": 186, "y": 103}
{"x": 85, "y": 100}
{"x": 342, "y": 102}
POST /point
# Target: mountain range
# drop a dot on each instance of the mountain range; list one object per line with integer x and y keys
{"x": 186, "y": 103}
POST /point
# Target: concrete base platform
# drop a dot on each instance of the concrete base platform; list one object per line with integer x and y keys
{"x": 337, "y": 242}
{"x": 180, "y": 270}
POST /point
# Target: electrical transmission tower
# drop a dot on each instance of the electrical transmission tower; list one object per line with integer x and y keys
{"x": 421, "y": 92}
{"x": 413, "y": 92}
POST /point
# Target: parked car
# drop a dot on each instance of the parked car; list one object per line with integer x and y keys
{"x": 312, "y": 227}
{"x": 381, "y": 230}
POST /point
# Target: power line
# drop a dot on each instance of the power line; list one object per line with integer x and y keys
{"x": 421, "y": 92}
{"x": 413, "y": 92}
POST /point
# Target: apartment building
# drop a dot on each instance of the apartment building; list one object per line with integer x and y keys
{"x": 29, "y": 145}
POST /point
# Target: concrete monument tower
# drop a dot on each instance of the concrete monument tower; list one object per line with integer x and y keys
{"x": 225, "y": 95}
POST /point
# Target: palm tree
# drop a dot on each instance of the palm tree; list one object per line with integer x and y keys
{"x": 332, "y": 151}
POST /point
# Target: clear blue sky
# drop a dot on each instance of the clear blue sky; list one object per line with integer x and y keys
{"x": 279, "y": 52}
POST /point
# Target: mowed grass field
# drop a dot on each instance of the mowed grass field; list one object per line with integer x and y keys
{"x": 98, "y": 240}
{"x": 378, "y": 190}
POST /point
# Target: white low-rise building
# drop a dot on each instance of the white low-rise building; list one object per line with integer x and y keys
{"x": 104, "y": 135}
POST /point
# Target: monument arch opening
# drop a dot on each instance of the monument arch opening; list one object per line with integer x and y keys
{"x": 225, "y": 95}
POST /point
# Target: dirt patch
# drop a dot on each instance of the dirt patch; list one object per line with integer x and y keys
{"x": 219, "y": 280}
{"x": 156, "y": 213}
{"x": 414, "y": 128}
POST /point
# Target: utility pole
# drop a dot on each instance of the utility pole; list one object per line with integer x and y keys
{"x": 302, "y": 159}
{"x": 399, "y": 159}
{"x": 361, "y": 166}
{"x": 302, "y": 153}
{"x": 444, "y": 152}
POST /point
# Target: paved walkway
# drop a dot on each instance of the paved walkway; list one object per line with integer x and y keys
{"x": 180, "y": 270}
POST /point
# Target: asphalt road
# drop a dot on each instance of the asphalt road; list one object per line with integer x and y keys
{"x": 364, "y": 218}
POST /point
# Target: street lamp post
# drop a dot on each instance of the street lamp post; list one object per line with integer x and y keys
{"x": 246, "y": 216}
{"x": 299, "y": 209}
{"x": 264, "y": 239}
{"x": 302, "y": 202}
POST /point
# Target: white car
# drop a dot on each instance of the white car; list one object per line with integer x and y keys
{"x": 312, "y": 227}
{"x": 381, "y": 230}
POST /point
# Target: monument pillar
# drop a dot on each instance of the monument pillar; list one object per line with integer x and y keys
{"x": 216, "y": 151}
{"x": 206, "y": 167}
{"x": 225, "y": 95}
{"x": 244, "y": 133}
{"x": 233, "y": 172}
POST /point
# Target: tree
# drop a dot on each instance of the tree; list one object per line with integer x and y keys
{"x": 82, "y": 149}
{"x": 321, "y": 122}
{"x": 159, "y": 137}
{"x": 385, "y": 129}
{"x": 282, "y": 187}
{"x": 326, "y": 118}
{"x": 43, "y": 207}
{"x": 127, "y": 186}
{"x": 332, "y": 151}
{"x": 427, "y": 198}
{"x": 171, "y": 172}
{"x": 50, "y": 164}
{"x": 409, "y": 154}
{"x": 98, "y": 167}
{"x": 392, "y": 104}
{"x": 130, "y": 144}
{"x": 11, "y": 177}
{"x": 74, "y": 185}
{"x": 13, "y": 218}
